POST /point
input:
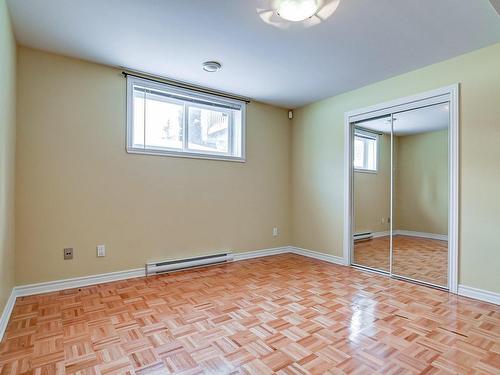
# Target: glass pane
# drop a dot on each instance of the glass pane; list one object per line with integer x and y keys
{"x": 371, "y": 152}
{"x": 359, "y": 153}
{"x": 164, "y": 120}
{"x": 208, "y": 130}
{"x": 420, "y": 188}
{"x": 237, "y": 141}
{"x": 138, "y": 124}
{"x": 371, "y": 195}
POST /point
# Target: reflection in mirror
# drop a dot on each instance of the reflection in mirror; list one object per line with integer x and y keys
{"x": 420, "y": 203}
{"x": 371, "y": 194}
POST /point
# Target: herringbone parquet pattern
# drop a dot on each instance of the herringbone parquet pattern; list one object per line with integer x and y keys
{"x": 284, "y": 314}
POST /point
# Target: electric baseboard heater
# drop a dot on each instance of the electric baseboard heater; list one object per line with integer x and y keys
{"x": 181, "y": 264}
{"x": 363, "y": 236}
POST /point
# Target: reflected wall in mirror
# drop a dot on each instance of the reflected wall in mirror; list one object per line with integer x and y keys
{"x": 371, "y": 193}
{"x": 420, "y": 188}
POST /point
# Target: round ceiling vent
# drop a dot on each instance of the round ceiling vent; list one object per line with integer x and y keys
{"x": 211, "y": 66}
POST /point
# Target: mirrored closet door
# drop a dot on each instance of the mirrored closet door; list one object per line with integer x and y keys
{"x": 400, "y": 187}
{"x": 372, "y": 192}
{"x": 420, "y": 194}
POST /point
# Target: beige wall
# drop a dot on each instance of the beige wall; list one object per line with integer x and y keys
{"x": 372, "y": 193}
{"x": 421, "y": 182}
{"x": 77, "y": 187}
{"x": 318, "y": 156}
{"x": 7, "y": 153}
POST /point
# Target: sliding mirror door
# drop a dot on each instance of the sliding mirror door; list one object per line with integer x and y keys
{"x": 371, "y": 193}
{"x": 420, "y": 194}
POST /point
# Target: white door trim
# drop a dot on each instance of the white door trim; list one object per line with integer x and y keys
{"x": 415, "y": 101}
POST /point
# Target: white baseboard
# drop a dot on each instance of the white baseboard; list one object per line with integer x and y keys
{"x": 53, "y": 286}
{"x": 380, "y": 234}
{"x": 433, "y": 236}
{"x": 290, "y": 249}
{"x": 396, "y": 232}
{"x": 77, "y": 282}
{"x": 261, "y": 253}
{"x": 7, "y": 311}
{"x": 479, "y": 294}
{"x": 317, "y": 255}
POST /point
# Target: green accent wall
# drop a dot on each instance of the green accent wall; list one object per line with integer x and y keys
{"x": 317, "y": 174}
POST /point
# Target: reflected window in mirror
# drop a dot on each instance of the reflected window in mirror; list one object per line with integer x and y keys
{"x": 365, "y": 151}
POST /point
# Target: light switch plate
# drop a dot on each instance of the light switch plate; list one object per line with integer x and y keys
{"x": 101, "y": 250}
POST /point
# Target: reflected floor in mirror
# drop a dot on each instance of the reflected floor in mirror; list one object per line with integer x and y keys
{"x": 417, "y": 258}
{"x": 374, "y": 253}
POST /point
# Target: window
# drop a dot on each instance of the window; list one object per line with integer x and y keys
{"x": 365, "y": 151}
{"x": 166, "y": 120}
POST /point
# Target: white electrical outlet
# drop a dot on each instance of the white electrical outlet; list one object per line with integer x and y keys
{"x": 275, "y": 232}
{"x": 101, "y": 250}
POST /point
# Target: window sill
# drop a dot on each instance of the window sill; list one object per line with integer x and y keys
{"x": 189, "y": 155}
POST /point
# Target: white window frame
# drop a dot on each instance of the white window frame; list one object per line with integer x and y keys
{"x": 375, "y": 137}
{"x": 186, "y": 96}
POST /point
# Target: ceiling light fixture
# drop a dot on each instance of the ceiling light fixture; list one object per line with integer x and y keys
{"x": 296, "y": 14}
{"x": 297, "y": 10}
{"x": 211, "y": 66}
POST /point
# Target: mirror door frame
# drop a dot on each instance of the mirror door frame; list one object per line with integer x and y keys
{"x": 407, "y": 103}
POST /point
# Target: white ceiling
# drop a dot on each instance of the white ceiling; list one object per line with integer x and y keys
{"x": 364, "y": 41}
{"x": 421, "y": 120}
{"x": 496, "y": 5}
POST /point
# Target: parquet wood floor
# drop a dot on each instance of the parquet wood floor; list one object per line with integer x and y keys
{"x": 284, "y": 314}
{"x": 418, "y": 258}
